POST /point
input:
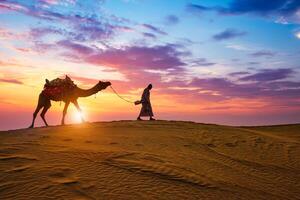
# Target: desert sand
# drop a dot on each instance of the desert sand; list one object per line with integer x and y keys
{"x": 150, "y": 160}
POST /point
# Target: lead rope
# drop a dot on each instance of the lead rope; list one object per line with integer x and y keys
{"x": 120, "y": 96}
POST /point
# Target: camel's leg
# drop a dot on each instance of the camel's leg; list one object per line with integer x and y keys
{"x": 41, "y": 103}
{"x": 79, "y": 110}
{"x": 45, "y": 109}
{"x": 65, "y": 112}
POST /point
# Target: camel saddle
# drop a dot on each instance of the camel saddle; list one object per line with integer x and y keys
{"x": 58, "y": 88}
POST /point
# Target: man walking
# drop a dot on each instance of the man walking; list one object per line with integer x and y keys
{"x": 146, "y": 110}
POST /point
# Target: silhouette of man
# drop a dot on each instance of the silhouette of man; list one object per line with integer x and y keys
{"x": 146, "y": 110}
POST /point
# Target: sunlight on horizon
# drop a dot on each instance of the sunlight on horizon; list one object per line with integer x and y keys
{"x": 77, "y": 116}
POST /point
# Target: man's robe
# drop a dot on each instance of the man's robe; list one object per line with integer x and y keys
{"x": 146, "y": 110}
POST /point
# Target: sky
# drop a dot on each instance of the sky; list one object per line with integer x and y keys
{"x": 233, "y": 62}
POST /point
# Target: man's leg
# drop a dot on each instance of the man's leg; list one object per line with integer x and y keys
{"x": 141, "y": 111}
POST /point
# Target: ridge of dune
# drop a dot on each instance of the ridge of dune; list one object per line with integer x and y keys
{"x": 150, "y": 160}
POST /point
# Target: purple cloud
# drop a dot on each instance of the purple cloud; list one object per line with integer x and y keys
{"x": 149, "y": 35}
{"x": 263, "y": 53}
{"x": 286, "y": 9}
{"x": 197, "y": 8}
{"x": 229, "y": 89}
{"x": 154, "y": 29}
{"x": 92, "y": 32}
{"x": 43, "y": 31}
{"x": 238, "y": 73}
{"x": 280, "y": 85}
{"x": 140, "y": 57}
{"x": 76, "y": 48}
{"x": 269, "y": 75}
{"x": 228, "y": 34}
{"x": 253, "y": 63}
{"x": 171, "y": 20}
{"x": 202, "y": 62}
{"x": 84, "y": 27}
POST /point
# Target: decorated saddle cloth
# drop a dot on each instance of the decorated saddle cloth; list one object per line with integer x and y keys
{"x": 58, "y": 88}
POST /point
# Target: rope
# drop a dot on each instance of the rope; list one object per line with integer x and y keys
{"x": 120, "y": 96}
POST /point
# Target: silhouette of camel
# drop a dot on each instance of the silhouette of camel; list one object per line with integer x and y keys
{"x": 71, "y": 96}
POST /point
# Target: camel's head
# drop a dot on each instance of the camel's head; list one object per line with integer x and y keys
{"x": 103, "y": 85}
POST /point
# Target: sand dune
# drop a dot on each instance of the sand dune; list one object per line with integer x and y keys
{"x": 150, "y": 160}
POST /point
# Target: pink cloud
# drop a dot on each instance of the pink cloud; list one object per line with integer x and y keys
{"x": 14, "y": 81}
{"x": 139, "y": 57}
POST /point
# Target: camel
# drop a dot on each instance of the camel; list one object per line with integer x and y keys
{"x": 70, "y": 97}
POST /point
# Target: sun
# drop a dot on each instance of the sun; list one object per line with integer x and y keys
{"x": 298, "y": 35}
{"x": 77, "y": 117}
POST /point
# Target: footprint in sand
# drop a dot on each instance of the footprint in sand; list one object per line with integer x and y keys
{"x": 260, "y": 140}
{"x": 17, "y": 163}
{"x": 18, "y": 168}
{"x": 88, "y": 141}
{"x": 139, "y": 145}
{"x": 67, "y": 140}
{"x": 113, "y": 143}
{"x": 211, "y": 145}
{"x": 63, "y": 176}
{"x": 15, "y": 158}
{"x": 231, "y": 144}
{"x": 9, "y": 150}
{"x": 45, "y": 137}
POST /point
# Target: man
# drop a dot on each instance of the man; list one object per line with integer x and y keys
{"x": 146, "y": 110}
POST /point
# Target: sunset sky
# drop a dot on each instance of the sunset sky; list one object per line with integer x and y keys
{"x": 232, "y": 62}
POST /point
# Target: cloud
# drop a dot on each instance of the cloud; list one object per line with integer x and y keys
{"x": 39, "y": 32}
{"x": 83, "y": 80}
{"x": 238, "y": 73}
{"x": 253, "y": 63}
{"x": 138, "y": 64}
{"x": 269, "y": 75}
{"x": 238, "y": 47}
{"x": 149, "y": 35}
{"x": 202, "y": 62}
{"x": 228, "y": 34}
{"x": 263, "y": 53}
{"x": 51, "y": 2}
{"x": 197, "y": 8}
{"x": 154, "y": 29}
{"x": 13, "y": 81}
{"x": 139, "y": 57}
{"x": 285, "y": 10}
{"x": 228, "y": 89}
{"x": 171, "y": 20}
{"x": 75, "y": 47}
{"x": 283, "y": 7}
{"x": 279, "y": 85}
{"x": 83, "y": 27}
{"x": 56, "y": 2}
{"x": 6, "y": 34}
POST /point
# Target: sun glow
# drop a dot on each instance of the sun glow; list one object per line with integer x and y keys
{"x": 78, "y": 117}
{"x": 298, "y": 35}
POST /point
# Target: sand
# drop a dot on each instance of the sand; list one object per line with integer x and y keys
{"x": 150, "y": 160}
